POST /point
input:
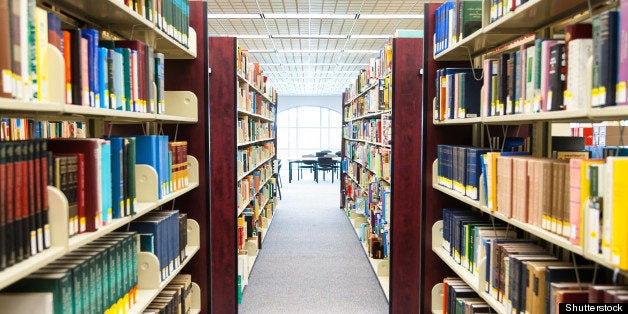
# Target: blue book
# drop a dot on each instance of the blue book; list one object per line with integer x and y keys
{"x": 117, "y": 97}
{"x": 164, "y": 164}
{"x": 105, "y": 169}
{"x": 147, "y": 153}
{"x": 471, "y": 99}
{"x": 484, "y": 179}
{"x": 93, "y": 67}
{"x": 474, "y": 170}
{"x": 117, "y": 176}
{"x": 103, "y": 78}
{"x": 151, "y": 224}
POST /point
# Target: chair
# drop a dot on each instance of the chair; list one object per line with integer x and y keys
{"x": 326, "y": 164}
{"x": 306, "y": 164}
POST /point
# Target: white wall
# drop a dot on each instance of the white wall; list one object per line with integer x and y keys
{"x": 333, "y": 102}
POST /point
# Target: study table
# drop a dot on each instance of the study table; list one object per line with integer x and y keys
{"x": 312, "y": 160}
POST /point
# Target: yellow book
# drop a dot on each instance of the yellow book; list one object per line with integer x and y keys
{"x": 619, "y": 244}
{"x": 491, "y": 169}
{"x": 41, "y": 50}
{"x": 585, "y": 185}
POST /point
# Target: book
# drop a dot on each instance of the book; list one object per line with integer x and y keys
{"x": 605, "y": 43}
{"x": 557, "y": 76}
{"x": 617, "y": 167}
{"x": 622, "y": 75}
{"x": 91, "y": 150}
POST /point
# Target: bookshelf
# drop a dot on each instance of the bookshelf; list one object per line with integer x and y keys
{"x": 115, "y": 16}
{"x": 181, "y": 108}
{"x": 235, "y": 97}
{"x": 400, "y": 274}
{"x": 506, "y": 34}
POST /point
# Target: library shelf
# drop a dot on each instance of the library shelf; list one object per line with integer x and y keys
{"x": 108, "y": 114}
{"x": 149, "y": 278}
{"x": 525, "y": 19}
{"x": 531, "y": 229}
{"x": 381, "y": 267}
{"x": 367, "y": 142}
{"x": 359, "y": 162}
{"x": 609, "y": 113}
{"x": 255, "y": 142}
{"x": 115, "y": 16}
{"x": 254, "y": 168}
{"x": 255, "y": 115}
{"x": 246, "y": 203}
{"x": 369, "y": 115}
{"x": 355, "y": 181}
{"x": 562, "y": 115}
{"x": 458, "y": 121}
{"x": 471, "y": 279}
{"x": 254, "y": 88}
{"x": 252, "y": 248}
{"x": 16, "y": 105}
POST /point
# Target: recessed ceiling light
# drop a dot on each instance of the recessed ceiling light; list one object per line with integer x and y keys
{"x": 309, "y": 36}
{"x": 390, "y": 16}
{"x": 308, "y": 16}
{"x": 234, "y": 16}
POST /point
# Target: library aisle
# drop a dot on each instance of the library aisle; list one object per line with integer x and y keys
{"x": 311, "y": 259}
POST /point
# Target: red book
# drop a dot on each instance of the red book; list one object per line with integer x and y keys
{"x": 81, "y": 193}
{"x": 17, "y": 202}
{"x": 67, "y": 57}
{"x": 90, "y": 148}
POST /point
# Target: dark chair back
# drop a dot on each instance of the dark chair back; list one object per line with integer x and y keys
{"x": 320, "y": 154}
{"x": 325, "y": 162}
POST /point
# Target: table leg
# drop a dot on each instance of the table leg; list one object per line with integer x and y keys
{"x": 290, "y": 172}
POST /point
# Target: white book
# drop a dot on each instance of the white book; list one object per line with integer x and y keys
{"x": 578, "y": 93}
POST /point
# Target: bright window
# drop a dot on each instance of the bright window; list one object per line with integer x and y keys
{"x": 307, "y": 130}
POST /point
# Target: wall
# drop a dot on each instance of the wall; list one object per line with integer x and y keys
{"x": 333, "y": 102}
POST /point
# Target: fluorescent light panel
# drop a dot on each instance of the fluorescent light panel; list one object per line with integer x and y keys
{"x": 311, "y": 51}
{"x": 315, "y": 64}
{"x": 312, "y": 16}
{"x": 254, "y": 36}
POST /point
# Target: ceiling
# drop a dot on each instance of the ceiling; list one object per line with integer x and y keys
{"x": 312, "y": 47}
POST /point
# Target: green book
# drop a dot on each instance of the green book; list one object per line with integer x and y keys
{"x": 113, "y": 248}
{"x": 59, "y": 282}
{"x": 95, "y": 273}
{"x": 131, "y": 193}
{"x": 79, "y": 279}
{"x": 470, "y": 17}
{"x": 102, "y": 269}
{"x": 127, "y": 97}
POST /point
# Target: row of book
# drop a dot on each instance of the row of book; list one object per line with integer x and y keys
{"x": 460, "y": 167}
{"x": 458, "y": 94}
{"x": 171, "y": 16}
{"x": 164, "y": 234}
{"x": 257, "y": 203}
{"x": 250, "y": 224}
{"x": 122, "y": 75}
{"x": 175, "y": 298}
{"x": 24, "y": 221}
{"x": 251, "y": 157}
{"x": 455, "y": 20}
{"x": 379, "y": 68}
{"x": 250, "y": 185}
{"x": 374, "y": 205}
{"x": 374, "y": 130}
{"x": 516, "y": 272}
{"x": 548, "y": 74}
{"x": 460, "y": 298}
{"x": 250, "y": 129}
{"x": 376, "y": 99}
{"x": 17, "y": 129}
{"x": 169, "y": 159}
{"x": 100, "y": 277}
{"x": 254, "y": 102}
{"x": 502, "y": 8}
{"x": 254, "y": 75}
{"x": 375, "y": 159}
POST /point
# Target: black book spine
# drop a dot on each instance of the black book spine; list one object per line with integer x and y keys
{"x": 10, "y": 219}
{"x": 30, "y": 178}
{"x": 20, "y": 234}
{"x": 556, "y": 77}
{"x": 3, "y": 189}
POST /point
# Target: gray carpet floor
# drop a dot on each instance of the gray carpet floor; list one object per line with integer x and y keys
{"x": 311, "y": 260}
